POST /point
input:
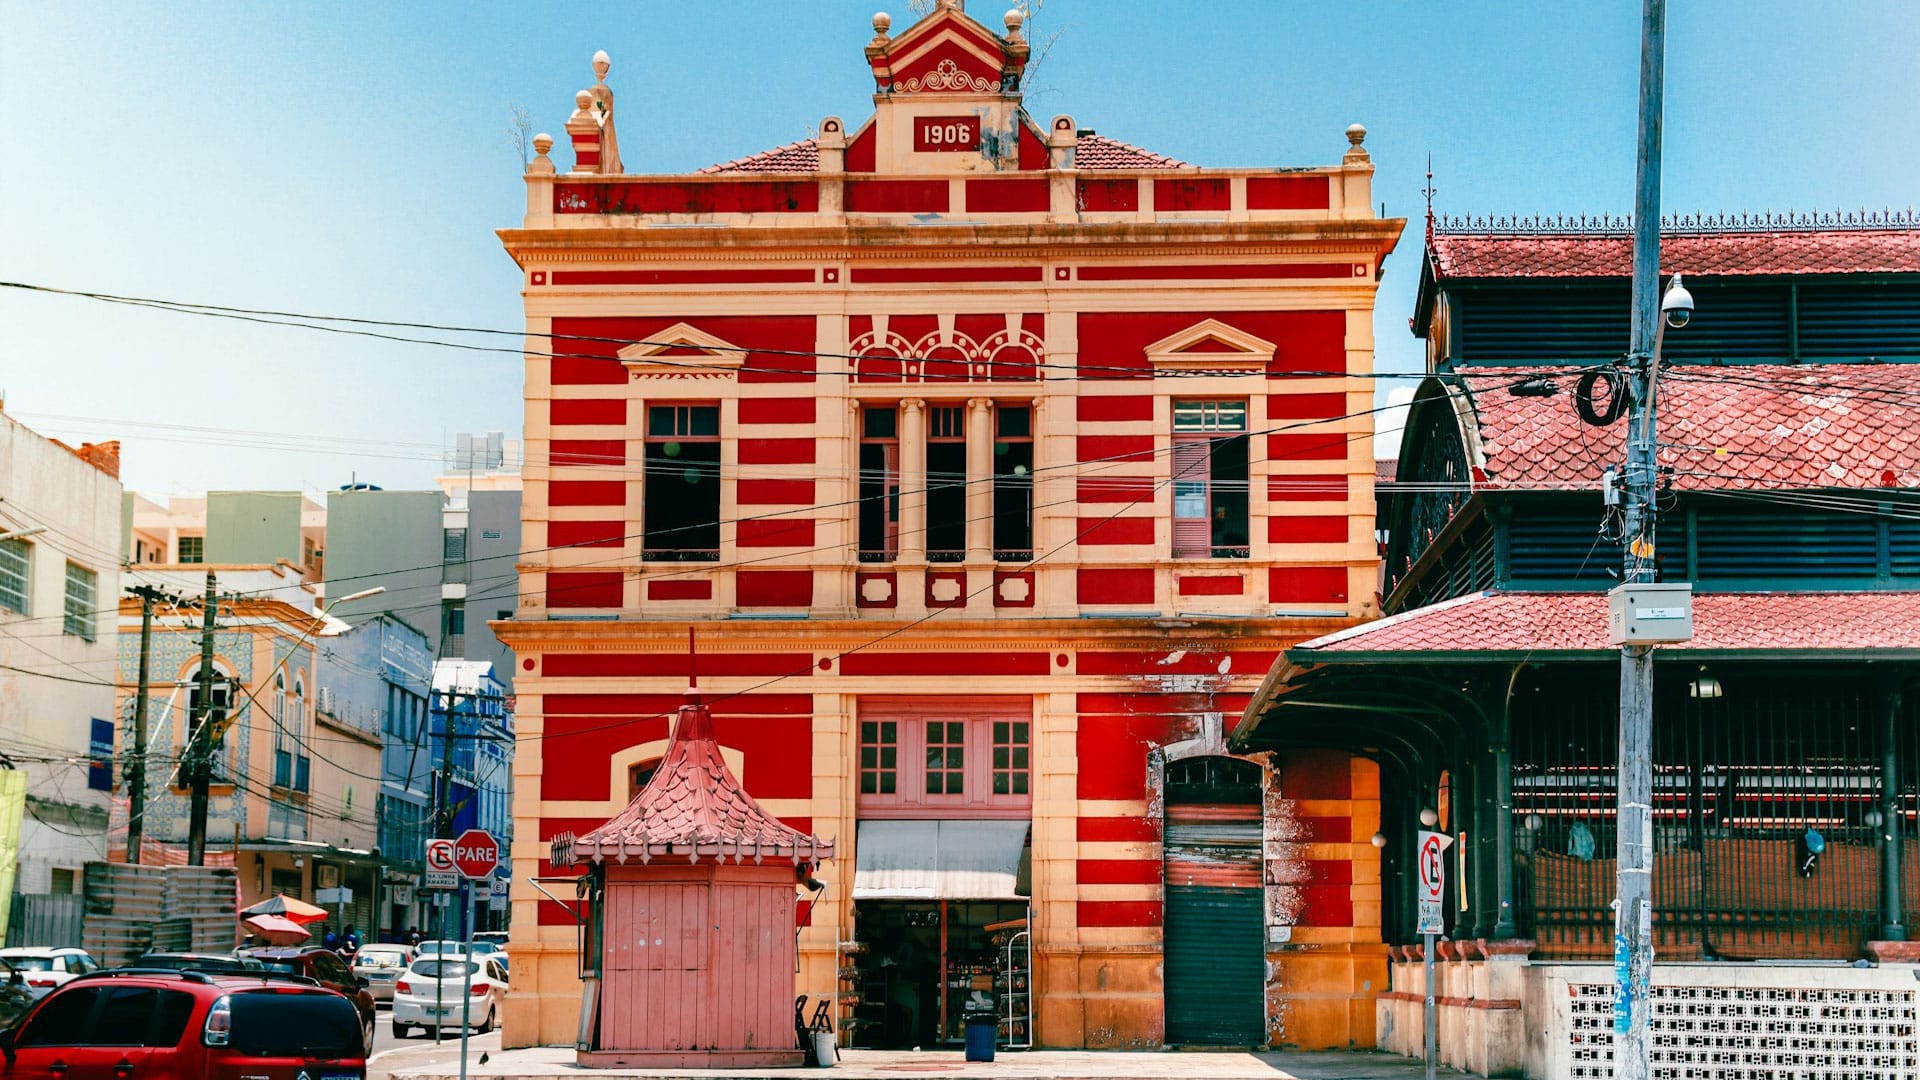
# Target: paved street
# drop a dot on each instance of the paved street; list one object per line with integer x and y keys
{"x": 419, "y": 1051}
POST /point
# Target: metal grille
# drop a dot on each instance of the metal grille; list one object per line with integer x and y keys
{"x": 1753, "y": 1033}
{"x": 1764, "y": 819}
{"x": 16, "y": 563}
{"x": 82, "y": 588}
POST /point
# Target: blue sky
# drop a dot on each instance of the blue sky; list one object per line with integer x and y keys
{"x": 354, "y": 160}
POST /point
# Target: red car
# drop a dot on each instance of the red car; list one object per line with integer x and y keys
{"x": 144, "y": 1024}
{"x": 325, "y": 967}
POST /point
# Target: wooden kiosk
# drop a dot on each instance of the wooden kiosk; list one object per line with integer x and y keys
{"x": 688, "y": 956}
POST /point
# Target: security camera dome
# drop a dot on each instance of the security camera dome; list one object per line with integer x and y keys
{"x": 1677, "y": 304}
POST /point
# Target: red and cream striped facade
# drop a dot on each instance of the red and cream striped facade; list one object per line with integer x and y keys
{"x": 954, "y": 284}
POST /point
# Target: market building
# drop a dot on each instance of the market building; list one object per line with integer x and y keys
{"x": 992, "y": 461}
{"x": 1786, "y": 735}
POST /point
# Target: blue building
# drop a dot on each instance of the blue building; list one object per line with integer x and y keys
{"x": 472, "y": 710}
{"x": 380, "y": 674}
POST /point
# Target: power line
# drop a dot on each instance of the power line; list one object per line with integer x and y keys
{"x": 1111, "y": 461}
{"x": 310, "y": 321}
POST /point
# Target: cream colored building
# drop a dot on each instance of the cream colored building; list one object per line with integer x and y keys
{"x": 59, "y": 580}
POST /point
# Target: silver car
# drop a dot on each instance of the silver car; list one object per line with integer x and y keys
{"x": 379, "y": 965}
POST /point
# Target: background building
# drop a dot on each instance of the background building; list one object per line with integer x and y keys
{"x": 59, "y": 578}
{"x": 377, "y": 676}
{"x": 993, "y": 461}
{"x": 472, "y": 718}
{"x": 296, "y": 778}
{"x": 445, "y": 558}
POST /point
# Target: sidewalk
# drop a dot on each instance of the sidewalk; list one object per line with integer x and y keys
{"x": 551, "y": 1061}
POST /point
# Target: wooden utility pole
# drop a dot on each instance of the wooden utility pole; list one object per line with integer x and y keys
{"x": 136, "y": 770}
{"x": 200, "y": 744}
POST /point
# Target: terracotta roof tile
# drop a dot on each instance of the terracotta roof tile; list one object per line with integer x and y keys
{"x": 1577, "y": 622}
{"x": 692, "y": 808}
{"x": 1096, "y": 153}
{"x": 1809, "y": 251}
{"x": 1747, "y": 426}
{"x": 795, "y": 157}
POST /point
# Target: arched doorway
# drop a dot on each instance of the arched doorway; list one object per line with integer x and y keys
{"x": 1215, "y": 955}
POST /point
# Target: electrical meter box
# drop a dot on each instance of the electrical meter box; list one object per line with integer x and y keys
{"x": 1659, "y": 614}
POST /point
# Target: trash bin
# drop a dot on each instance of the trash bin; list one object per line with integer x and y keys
{"x": 980, "y": 1038}
{"x": 823, "y": 1049}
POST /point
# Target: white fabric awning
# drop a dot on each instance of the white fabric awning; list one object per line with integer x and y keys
{"x": 940, "y": 860}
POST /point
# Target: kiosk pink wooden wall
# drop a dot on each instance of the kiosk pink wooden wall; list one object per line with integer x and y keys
{"x": 693, "y": 913}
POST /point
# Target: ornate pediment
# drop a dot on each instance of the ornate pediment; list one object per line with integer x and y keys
{"x": 947, "y": 52}
{"x": 682, "y": 351}
{"x": 1211, "y": 345}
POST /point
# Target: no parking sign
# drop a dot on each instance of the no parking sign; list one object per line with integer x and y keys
{"x": 1430, "y": 867}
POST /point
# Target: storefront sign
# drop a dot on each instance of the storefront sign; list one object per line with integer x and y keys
{"x": 100, "y": 753}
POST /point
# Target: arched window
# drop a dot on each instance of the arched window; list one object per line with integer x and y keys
{"x": 1214, "y": 780}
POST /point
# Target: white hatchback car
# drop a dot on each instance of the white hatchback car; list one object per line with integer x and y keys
{"x": 432, "y": 993}
{"x": 46, "y": 967}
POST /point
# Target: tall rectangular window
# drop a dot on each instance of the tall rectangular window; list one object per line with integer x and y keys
{"x": 879, "y": 757}
{"x": 1013, "y": 483}
{"x": 1010, "y": 753}
{"x": 453, "y": 545}
{"x": 946, "y": 483}
{"x": 681, "y": 518}
{"x": 946, "y": 757}
{"x": 1210, "y": 480}
{"x": 82, "y": 599}
{"x": 879, "y": 483}
{"x": 16, "y": 575}
{"x": 193, "y": 549}
{"x": 453, "y": 630}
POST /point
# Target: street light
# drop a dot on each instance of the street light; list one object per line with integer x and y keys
{"x": 17, "y": 534}
{"x": 351, "y": 597}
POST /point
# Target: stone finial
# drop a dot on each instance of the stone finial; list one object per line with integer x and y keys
{"x": 882, "y": 22}
{"x": 1356, "y": 135}
{"x": 583, "y": 102}
{"x": 541, "y": 163}
{"x": 1014, "y": 17}
{"x": 602, "y": 63}
{"x": 950, "y": 5}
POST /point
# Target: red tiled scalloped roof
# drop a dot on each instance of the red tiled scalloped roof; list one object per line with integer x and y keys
{"x": 1577, "y": 622}
{"x": 692, "y": 808}
{"x": 1095, "y": 153}
{"x": 795, "y": 157}
{"x": 1747, "y": 426}
{"x": 1810, "y": 251}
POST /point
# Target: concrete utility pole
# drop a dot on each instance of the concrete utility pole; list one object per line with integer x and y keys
{"x": 136, "y": 772}
{"x": 200, "y": 744}
{"x": 1633, "y": 917}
